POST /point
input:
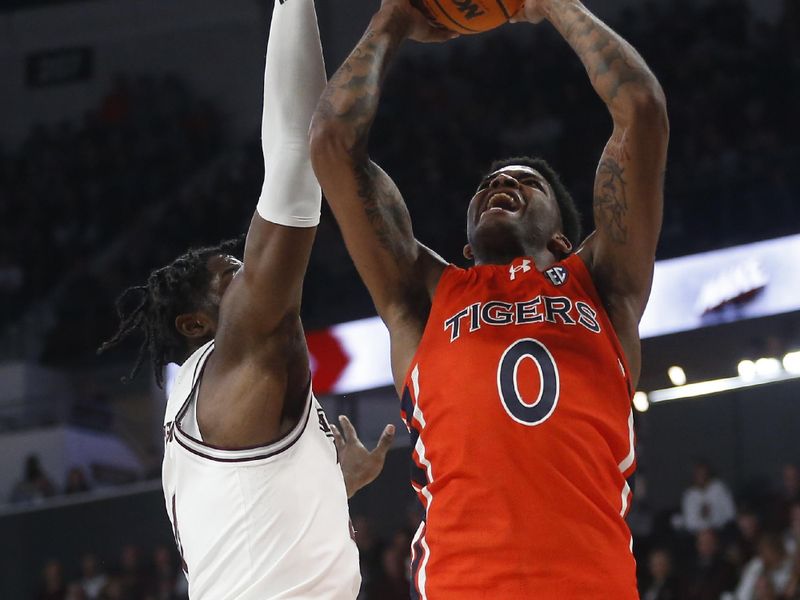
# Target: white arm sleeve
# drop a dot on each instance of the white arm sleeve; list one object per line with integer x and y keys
{"x": 293, "y": 82}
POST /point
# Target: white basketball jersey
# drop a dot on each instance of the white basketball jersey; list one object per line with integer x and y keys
{"x": 259, "y": 523}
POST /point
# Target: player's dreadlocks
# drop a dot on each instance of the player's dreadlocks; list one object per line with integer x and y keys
{"x": 180, "y": 287}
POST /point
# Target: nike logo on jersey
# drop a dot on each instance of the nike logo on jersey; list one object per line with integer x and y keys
{"x": 541, "y": 309}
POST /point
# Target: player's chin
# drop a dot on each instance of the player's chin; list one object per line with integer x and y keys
{"x": 491, "y": 219}
{"x": 498, "y": 226}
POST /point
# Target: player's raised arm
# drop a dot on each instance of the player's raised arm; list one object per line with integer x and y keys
{"x": 399, "y": 272}
{"x": 267, "y": 292}
{"x": 629, "y": 184}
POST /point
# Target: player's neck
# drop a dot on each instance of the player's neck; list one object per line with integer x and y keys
{"x": 543, "y": 258}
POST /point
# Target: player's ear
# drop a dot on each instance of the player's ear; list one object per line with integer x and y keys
{"x": 468, "y": 252}
{"x": 559, "y": 244}
{"x": 194, "y": 325}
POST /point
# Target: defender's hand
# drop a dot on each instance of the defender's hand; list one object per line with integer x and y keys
{"x": 360, "y": 467}
{"x": 531, "y": 11}
{"x": 416, "y": 26}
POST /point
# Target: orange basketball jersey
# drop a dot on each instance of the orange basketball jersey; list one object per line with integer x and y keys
{"x": 518, "y": 404}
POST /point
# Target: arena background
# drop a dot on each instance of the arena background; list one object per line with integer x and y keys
{"x": 128, "y": 131}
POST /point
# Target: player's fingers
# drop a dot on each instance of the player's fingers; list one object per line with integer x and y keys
{"x": 349, "y": 431}
{"x": 337, "y": 437}
{"x": 385, "y": 442}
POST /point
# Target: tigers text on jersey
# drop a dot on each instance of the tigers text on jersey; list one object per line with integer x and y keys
{"x": 518, "y": 403}
{"x": 259, "y": 523}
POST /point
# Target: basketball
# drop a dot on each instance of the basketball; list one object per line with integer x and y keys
{"x": 468, "y": 16}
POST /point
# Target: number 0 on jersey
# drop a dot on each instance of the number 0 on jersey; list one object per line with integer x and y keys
{"x": 538, "y": 411}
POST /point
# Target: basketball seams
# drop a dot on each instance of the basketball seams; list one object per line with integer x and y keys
{"x": 446, "y": 13}
{"x": 503, "y": 7}
{"x": 461, "y": 28}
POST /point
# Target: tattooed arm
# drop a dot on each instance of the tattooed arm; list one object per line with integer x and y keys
{"x": 399, "y": 272}
{"x": 629, "y": 185}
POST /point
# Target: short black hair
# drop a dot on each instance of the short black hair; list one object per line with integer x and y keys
{"x": 570, "y": 216}
{"x": 175, "y": 289}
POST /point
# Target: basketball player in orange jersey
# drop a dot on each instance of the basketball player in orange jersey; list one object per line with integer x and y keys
{"x": 253, "y": 474}
{"x": 516, "y": 374}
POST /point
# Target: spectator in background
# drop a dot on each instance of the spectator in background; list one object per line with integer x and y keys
{"x": 76, "y": 481}
{"x": 115, "y": 590}
{"x": 162, "y": 582}
{"x": 772, "y": 564}
{"x": 92, "y": 580}
{"x": 792, "y": 591}
{"x": 742, "y": 548}
{"x": 764, "y": 590}
{"x": 708, "y": 503}
{"x": 75, "y": 592}
{"x": 788, "y": 495}
{"x": 53, "y": 585}
{"x": 131, "y": 576}
{"x": 791, "y": 536}
{"x": 369, "y": 551}
{"x": 391, "y": 583}
{"x": 35, "y": 485}
{"x": 663, "y": 585}
{"x": 710, "y": 575}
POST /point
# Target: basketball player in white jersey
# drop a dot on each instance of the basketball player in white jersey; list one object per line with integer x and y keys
{"x": 251, "y": 473}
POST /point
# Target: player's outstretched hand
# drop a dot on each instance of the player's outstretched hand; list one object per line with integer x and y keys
{"x": 360, "y": 467}
{"x": 531, "y": 11}
{"x": 419, "y": 28}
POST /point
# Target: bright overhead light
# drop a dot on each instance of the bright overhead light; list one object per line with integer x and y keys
{"x": 677, "y": 376}
{"x": 640, "y": 401}
{"x": 768, "y": 367}
{"x": 747, "y": 370}
{"x": 791, "y": 362}
{"x": 715, "y": 386}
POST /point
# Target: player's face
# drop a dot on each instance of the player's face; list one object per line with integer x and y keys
{"x": 200, "y": 325}
{"x": 514, "y": 201}
{"x": 223, "y": 269}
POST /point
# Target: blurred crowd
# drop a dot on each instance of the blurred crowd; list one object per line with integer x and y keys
{"x": 72, "y": 189}
{"x": 718, "y": 547}
{"x": 36, "y": 485}
{"x": 131, "y": 577}
{"x": 732, "y": 83}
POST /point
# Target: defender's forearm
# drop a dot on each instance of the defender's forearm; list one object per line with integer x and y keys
{"x": 294, "y": 79}
{"x": 618, "y": 73}
{"x": 350, "y": 100}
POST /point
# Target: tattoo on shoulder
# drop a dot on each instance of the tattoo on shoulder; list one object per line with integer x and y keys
{"x": 610, "y": 202}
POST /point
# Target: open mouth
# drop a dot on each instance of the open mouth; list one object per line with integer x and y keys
{"x": 502, "y": 202}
